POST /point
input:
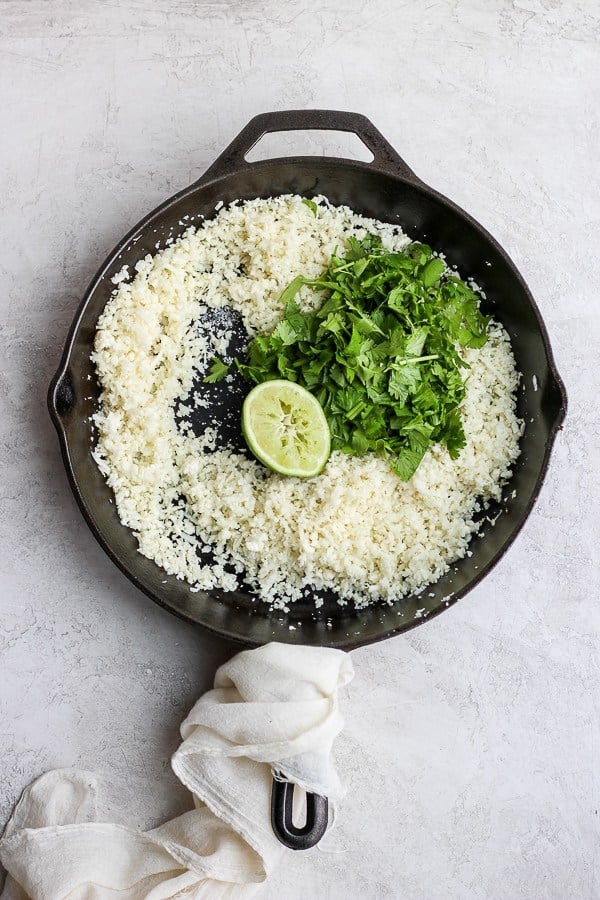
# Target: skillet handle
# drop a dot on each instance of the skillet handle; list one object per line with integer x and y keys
{"x": 234, "y": 156}
{"x": 317, "y": 812}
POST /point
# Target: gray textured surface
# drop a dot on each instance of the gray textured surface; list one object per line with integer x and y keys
{"x": 471, "y": 748}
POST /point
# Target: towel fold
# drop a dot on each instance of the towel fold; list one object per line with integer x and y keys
{"x": 272, "y": 711}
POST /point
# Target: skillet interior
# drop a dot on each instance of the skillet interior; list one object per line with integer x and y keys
{"x": 423, "y": 214}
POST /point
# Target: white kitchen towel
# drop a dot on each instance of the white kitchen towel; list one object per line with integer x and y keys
{"x": 274, "y": 709}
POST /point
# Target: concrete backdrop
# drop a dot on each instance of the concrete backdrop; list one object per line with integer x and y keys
{"x": 471, "y": 747}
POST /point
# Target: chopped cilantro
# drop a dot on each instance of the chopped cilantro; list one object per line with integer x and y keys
{"x": 381, "y": 353}
{"x": 217, "y": 372}
{"x": 311, "y": 205}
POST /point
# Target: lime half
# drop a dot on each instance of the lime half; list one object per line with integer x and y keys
{"x": 286, "y": 429}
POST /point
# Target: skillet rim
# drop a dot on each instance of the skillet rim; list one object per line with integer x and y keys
{"x": 58, "y": 393}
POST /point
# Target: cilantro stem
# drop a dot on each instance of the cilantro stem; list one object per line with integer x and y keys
{"x": 415, "y": 359}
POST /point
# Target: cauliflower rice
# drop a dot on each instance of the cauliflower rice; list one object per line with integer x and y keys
{"x": 357, "y": 529}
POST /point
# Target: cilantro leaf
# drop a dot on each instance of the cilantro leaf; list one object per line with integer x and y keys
{"x": 217, "y": 372}
{"x": 292, "y": 289}
{"x": 432, "y": 271}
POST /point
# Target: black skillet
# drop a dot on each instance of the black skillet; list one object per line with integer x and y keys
{"x": 385, "y": 189}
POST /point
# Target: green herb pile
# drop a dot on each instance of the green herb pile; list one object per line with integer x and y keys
{"x": 381, "y": 354}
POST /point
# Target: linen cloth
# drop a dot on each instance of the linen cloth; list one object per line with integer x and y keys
{"x": 273, "y": 710}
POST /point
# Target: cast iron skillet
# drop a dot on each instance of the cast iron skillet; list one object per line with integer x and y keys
{"x": 386, "y": 189}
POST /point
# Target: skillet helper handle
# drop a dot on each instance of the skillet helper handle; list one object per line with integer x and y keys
{"x": 61, "y": 395}
{"x": 385, "y": 157}
{"x": 317, "y": 815}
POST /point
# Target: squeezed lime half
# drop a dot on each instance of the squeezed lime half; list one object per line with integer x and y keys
{"x": 286, "y": 429}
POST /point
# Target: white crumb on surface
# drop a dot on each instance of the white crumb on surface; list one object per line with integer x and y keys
{"x": 356, "y": 529}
